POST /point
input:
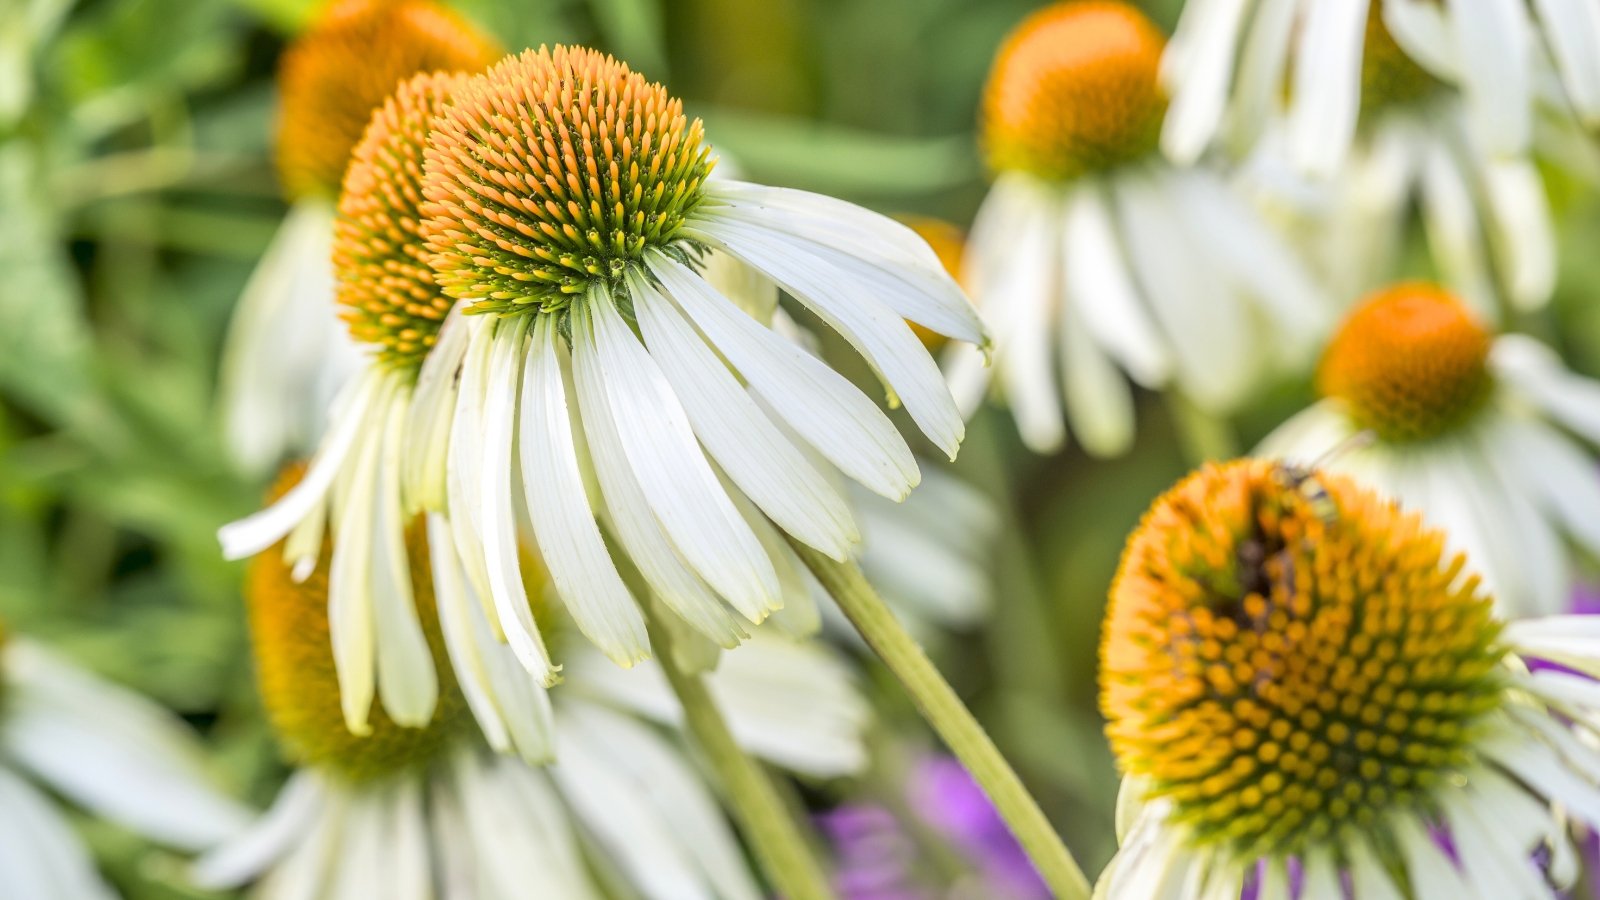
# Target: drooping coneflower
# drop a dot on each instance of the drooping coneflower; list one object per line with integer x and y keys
{"x": 1091, "y": 257}
{"x": 286, "y": 355}
{"x": 399, "y": 809}
{"x": 1470, "y": 430}
{"x": 1298, "y": 677}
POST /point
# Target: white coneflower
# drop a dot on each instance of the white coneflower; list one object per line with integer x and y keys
{"x": 1298, "y": 677}
{"x": 1091, "y": 257}
{"x": 571, "y": 214}
{"x": 414, "y": 811}
{"x": 360, "y": 483}
{"x": 116, "y": 755}
{"x": 1228, "y": 64}
{"x": 286, "y": 354}
{"x": 1470, "y": 430}
{"x": 1485, "y": 217}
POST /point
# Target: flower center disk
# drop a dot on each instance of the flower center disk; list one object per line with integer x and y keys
{"x": 1075, "y": 90}
{"x": 1285, "y": 656}
{"x": 385, "y": 285}
{"x": 331, "y": 79}
{"x": 1410, "y": 363}
{"x": 299, "y": 685}
{"x": 556, "y": 168}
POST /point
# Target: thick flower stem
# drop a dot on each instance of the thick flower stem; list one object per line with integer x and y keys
{"x": 950, "y": 718}
{"x": 773, "y": 832}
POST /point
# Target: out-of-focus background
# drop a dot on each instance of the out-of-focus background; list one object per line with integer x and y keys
{"x": 137, "y": 192}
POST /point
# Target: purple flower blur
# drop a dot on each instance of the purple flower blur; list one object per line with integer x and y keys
{"x": 944, "y": 795}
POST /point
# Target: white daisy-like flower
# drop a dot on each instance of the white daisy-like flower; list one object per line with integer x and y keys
{"x": 427, "y": 811}
{"x": 1091, "y": 257}
{"x": 1469, "y": 429}
{"x": 286, "y": 355}
{"x": 65, "y": 733}
{"x": 1229, "y": 62}
{"x": 1485, "y": 216}
{"x": 572, "y": 215}
{"x": 1298, "y": 677}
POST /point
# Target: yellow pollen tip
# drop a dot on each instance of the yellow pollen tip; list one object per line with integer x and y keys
{"x": 1074, "y": 90}
{"x": 554, "y": 169}
{"x": 1274, "y": 634}
{"x": 385, "y": 286}
{"x": 331, "y": 78}
{"x": 1410, "y": 363}
{"x": 949, "y": 243}
{"x": 298, "y": 683}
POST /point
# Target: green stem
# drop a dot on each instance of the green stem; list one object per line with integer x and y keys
{"x": 757, "y": 805}
{"x": 950, "y": 718}
{"x": 1205, "y": 437}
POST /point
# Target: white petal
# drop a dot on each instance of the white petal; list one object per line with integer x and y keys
{"x": 738, "y": 435}
{"x": 1520, "y": 230}
{"x": 1430, "y": 873}
{"x": 1327, "y": 85}
{"x": 1211, "y": 37}
{"x": 1368, "y": 875}
{"x": 511, "y": 708}
{"x": 500, "y": 546}
{"x": 1537, "y": 372}
{"x": 1258, "y": 91}
{"x": 563, "y": 520}
{"x": 255, "y": 533}
{"x": 1099, "y": 400}
{"x": 818, "y": 403}
{"x": 880, "y": 335}
{"x": 1100, "y": 286}
{"x": 1021, "y": 288}
{"x": 40, "y": 857}
{"x": 623, "y": 382}
{"x": 250, "y": 853}
{"x": 1572, "y": 31}
{"x": 1492, "y": 36}
{"x": 428, "y": 423}
{"x": 519, "y": 830}
{"x": 407, "y": 682}
{"x": 1421, "y": 29}
{"x": 350, "y": 577}
{"x": 1452, "y": 228}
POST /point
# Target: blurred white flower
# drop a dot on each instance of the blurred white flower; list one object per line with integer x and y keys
{"x": 65, "y": 733}
{"x": 1090, "y": 257}
{"x": 1469, "y": 429}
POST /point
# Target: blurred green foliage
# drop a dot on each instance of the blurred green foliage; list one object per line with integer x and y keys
{"x": 136, "y": 193}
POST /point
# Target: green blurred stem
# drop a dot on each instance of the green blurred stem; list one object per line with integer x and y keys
{"x": 943, "y": 710}
{"x": 758, "y": 806}
{"x": 1204, "y": 436}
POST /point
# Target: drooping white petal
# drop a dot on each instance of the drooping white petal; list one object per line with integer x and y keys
{"x": 500, "y": 545}
{"x": 1492, "y": 37}
{"x": 563, "y": 521}
{"x": 39, "y": 855}
{"x": 1199, "y": 311}
{"x": 511, "y": 708}
{"x": 1028, "y": 277}
{"x": 1550, "y": 469}
{"x": 350, "y": 576}
{"x": 1453, "y": 229}
{"x": 1541, "y": 768}
{"x": 1422, "y": 30}
{"x": 1258, "y": 89}
{"x": 1572, "y": 31}
{"x": 877, "y": 332}
{"x": 1327, "y": 85}
{"x": 674, "y": 793}
{"x": 817, "y": 402}
{"x": 624, "y": 383}
{"x": 111, "y": 751}
{"x": 428, "y": 422}
{"x": 1210, "y": 33}
{"x": 255, "y": 533}
{"x": 1100, "y": 287}
{"x": 770, "y": 470}
{"x": 253, "y": 851}
{"x": 407, "y": 682}
{"x": 1520, "y": 230}
{"x": 309, "y": 869}
{"x": 1368, "y": 875}
{"x": 1098, "y": 399}
{"x": 1536, "y": 372}
{"x": 1429, "y": 871}
{"x": 520, "y": 832}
